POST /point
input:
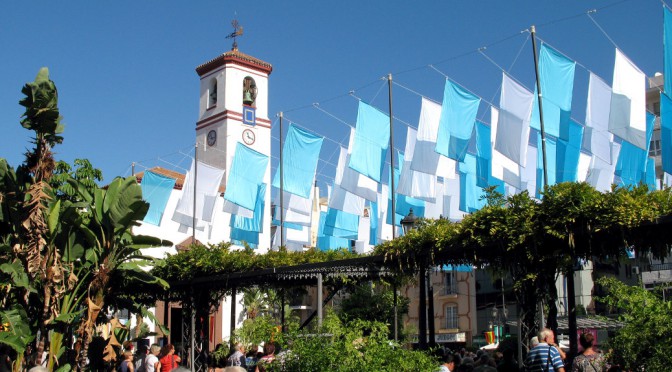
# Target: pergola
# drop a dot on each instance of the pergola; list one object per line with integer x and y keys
{"x": 355, "y": 269}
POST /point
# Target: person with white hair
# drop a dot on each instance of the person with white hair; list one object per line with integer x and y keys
{"x": 152, "y": 363}
{"x": 546, "y": 356}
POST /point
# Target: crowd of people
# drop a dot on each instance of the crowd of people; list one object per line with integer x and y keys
{"x": 544, "y": 355}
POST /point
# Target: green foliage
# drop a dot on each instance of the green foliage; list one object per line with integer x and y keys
{"x": 66, "y": 246}
{"x": 359, "y": 345}
{"x": 220, "y": 259}
{"x": 372, "y": 302}
{"x": 83, "y": 172}
{"x": 41, "y": 102}
{"x": 255, "y": 331}
{"x": 533, "y": 239}
{"x": 645, "y": 341}
{"x": 14, "y": 329}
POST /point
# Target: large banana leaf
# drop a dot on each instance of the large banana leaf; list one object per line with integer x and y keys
{"x": 19, "y": 277}
{"x": 15, "y": 329}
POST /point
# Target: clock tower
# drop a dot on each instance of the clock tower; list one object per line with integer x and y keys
{"x": 233, "y": 108}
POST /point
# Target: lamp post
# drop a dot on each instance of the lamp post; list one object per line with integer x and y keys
{"x": 498, "y": 322}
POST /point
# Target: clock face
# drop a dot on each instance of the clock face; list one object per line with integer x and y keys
{"x": 212, "y": 138}
{"x": 248, "y": 137}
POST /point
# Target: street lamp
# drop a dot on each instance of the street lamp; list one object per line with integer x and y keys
{"x": 408, "y": 222}
{"x": 498, "y": 322}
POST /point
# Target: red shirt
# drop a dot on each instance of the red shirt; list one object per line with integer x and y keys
{"x": 168, "y": 362}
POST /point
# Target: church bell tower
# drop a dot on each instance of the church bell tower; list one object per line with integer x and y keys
{"x": 233, "y": 108}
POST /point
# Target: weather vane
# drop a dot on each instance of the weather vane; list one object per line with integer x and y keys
{"x": 237, "y": 31}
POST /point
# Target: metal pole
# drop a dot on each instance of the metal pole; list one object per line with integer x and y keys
{"x": 422, "y": 310}
{"x": 571, "y": 318}
{"x": 543, "y": 137}
{"x": 430, "y": 310}
{"x": 539, "y": 100}
{"x": 282, "y": 310}
{"x": 319, "y": 300}
{"x": 232, "y": 326}
{"x": 192, "y": 354}
{"x": 392, "y": 189}
{"x": 133, "y": 169}
{"x": 282, "y": 189}
{"x": 193, "y": 212}
{"x": 396, "y": 314}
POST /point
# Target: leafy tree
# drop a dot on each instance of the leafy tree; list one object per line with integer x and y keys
{"x": 645, "y": 341}
{"x": 66, "y": 246}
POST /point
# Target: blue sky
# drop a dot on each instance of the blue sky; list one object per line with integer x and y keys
{"x": 129, "y": 92}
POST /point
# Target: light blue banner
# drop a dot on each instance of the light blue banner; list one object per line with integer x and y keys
{"x": 301, "y": 151}
{"x": 373, "y": 227}
{"x": 340, "y": 224}
{"x": 556, "y": 77}
{"x": 403, "y": 203}
{"x": 156, "y": 191}
{"x": 247, "y": 229}
{"x": 245, "y": 176}
{"x": 483, "y": 155}
{"x": 667, "y": 48}
{"x": 471, "y": 196}
{"x": 458, "y": 268}
{"x": 326, "y": 243}
{"x": 568, "y": 153}
{"x": 372, "y": 138}
{"x": 631, "y": 164}
{"x": 456, "y": 125}
{"x": 556, "y": 74}
{"x": 666, "y": 131}
{"x": 551, "y": 162}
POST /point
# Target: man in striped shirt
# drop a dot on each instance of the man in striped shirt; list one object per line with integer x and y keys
{"x": 546, "y": 356}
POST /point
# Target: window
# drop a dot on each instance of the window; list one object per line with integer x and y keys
{"x": 449, "y": 283}
{"x": 451, "y": 317}
{"x": 654, "y": 147}
{"x": 212, "y": 93}
{"x": 249, "y": 91}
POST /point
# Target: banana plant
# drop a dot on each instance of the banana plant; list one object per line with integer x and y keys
{"x": 112, "y": 252}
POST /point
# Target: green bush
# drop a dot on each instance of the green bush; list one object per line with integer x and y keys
{"x": 359, "y": 345}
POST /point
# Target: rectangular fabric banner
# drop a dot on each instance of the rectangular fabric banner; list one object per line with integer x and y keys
{"x": 425, "y": 157}
{"x": 341, "y": 199}
{"x": 667, "y": 47}
{"x": 353, "y": 181}
{"x": 301, "y": 151}
{"x": 556, "y": 77}
{"x": 372, "y": 138}
{"x": 627, "y": 117}
{"x": 156, "y": 191}
{"x": 247, "y": 173}
{"x": 411, "y": 183}
{"x": 631, "y": 165}
{"x": 568, "y": 153}
{"x": 470, "y": 194}
{"x": 456, "y": 125}
{"x": 597, "y": 138}
{"x": 601, "y": 173}
{"x": 502, "y": 167}
{"x": 207, "y": 190}
{"x": 666, "y": 132}
{"x": 513, "y": 126}
{"x": 246, "y": 230}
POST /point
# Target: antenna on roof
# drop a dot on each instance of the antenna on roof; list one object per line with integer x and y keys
{"x": 237, "y": 31}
